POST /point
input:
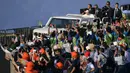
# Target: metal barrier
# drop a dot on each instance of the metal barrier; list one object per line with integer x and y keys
{"x": 7, "y": 34}
{"x": 106, "y": 19}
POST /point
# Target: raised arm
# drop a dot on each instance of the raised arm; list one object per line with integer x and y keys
{"x": 82, "y": 48}
{"x": 2, "y": 48}
{"x": 75, "y": 28}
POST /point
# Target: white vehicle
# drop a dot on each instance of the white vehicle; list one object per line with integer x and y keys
{"x": 61, "y": 21}
{"x": 126, "y": 11}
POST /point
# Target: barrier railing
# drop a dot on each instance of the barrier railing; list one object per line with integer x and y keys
{"x": 7, "y": 34}
{"x": 106, "y": 19}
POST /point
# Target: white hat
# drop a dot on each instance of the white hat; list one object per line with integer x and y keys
{"x": 87, "y": 48}
{"x": 75, "y": 48}
{"x": 55, "y": 47}
{"x": 115, "y": 43}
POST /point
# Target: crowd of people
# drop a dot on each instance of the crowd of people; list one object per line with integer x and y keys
{"x": 106, "y": 11}
{"x": 76, "y": 50}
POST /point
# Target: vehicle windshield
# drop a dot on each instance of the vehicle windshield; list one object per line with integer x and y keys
{"x": 61, "y": 23}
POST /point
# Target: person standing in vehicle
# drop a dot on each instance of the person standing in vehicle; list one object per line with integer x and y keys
{"x": 107, "y": 10}
{"x": 90, "y": 9}
{"x": 98, "y": 12}
{"x": 117, "y": 12}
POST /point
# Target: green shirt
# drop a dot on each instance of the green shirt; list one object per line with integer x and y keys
{"x": 108, "y": 38}
{"x": 53, "y": 41}
{"x": 74, "y": 41}
{"x": 81, "y": 39}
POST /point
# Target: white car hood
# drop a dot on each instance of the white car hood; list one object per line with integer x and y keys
{"x": 45, "y": 30}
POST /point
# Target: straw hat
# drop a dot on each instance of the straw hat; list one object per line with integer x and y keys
{"x": 91, "y": 46}
{"x": 87, "y": 48}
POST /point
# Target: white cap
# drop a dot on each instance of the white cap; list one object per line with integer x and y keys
{"x": 87, "y": 48}
{"x": 55, "y": 47}
{"x": 75, "y": 48}
{"x": 91, "y": 46}
{"x": 115, "y": 43}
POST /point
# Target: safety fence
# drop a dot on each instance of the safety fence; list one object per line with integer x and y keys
{"x": 7, "y": 34}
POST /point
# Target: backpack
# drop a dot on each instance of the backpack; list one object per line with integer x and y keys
{"x": 110, "y": 65}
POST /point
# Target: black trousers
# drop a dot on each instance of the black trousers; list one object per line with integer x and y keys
{"x": 120, "y": 69}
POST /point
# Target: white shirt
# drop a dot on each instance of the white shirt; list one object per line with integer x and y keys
{"x": 66, "y": 46}
{"x": 88, "y": 16}
{"x": 89, "y": 68}
{"x": 119, "y": 60}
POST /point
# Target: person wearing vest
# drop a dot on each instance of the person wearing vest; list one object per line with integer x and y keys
{"x": 117, "y": 12}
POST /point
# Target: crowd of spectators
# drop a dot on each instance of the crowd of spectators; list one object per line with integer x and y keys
{"x": 76, "y": 50}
